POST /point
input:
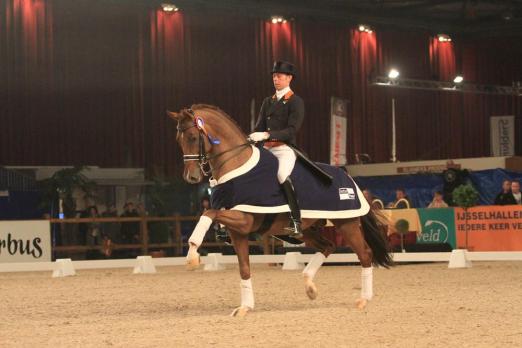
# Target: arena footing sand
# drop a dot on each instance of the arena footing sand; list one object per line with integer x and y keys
{"x": 422, "y": 305}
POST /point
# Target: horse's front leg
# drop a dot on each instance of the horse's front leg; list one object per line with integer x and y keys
{"x": 233, "y": 219}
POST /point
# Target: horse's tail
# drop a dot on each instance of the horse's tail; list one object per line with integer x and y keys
{"x": 374, "y": 234}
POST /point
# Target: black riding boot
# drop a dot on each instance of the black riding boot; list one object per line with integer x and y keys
{"x": 295, "y": 212}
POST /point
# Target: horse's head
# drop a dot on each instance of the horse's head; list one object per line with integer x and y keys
{"x": 192, "y": 143}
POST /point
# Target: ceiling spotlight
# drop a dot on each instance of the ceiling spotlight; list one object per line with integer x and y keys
{"x": 443, "y": 38}
{"x": 166, "y": 7}
{"x": 365, "y": 28}
{"x": 393, "y": 74}
{"x": 458, "y": 79}
{"x": 278, "y": 20}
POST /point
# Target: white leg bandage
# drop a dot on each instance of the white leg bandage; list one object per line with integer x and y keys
{"x": 313, "y": 266}
{"x": 200, "y": 230}
{"x": 367, "y": 283}
{"x": 247, "y": 294}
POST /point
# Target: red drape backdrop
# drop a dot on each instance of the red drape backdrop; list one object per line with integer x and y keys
{"x": 89, "y": 82}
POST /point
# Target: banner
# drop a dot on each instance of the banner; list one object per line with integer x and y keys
{"x": 490, "y": 228}
{"x": 338, "y": 124}
{"x": 502, "y": 131}
{"x": 25, "y": 241}
{"x": 438, "y": 226}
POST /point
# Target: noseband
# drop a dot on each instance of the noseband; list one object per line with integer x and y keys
{"x": 203, "y": 157}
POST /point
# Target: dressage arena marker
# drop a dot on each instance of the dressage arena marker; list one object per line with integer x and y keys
{"x": 212, "y": 263}
{"x": 292, "y": 262}
{"x": 144, "y": 265}
{"x": 459, "y": 259}
{"x": 64, "y": 268}
{"x": 261, "y": 259}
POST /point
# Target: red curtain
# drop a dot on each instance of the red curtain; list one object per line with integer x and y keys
{"x": 89, "y": 82}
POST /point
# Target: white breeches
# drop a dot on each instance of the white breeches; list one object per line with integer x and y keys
{"x": 286, "y": 157}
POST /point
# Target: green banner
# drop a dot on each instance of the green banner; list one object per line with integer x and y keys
{"x": 438, "y": 226}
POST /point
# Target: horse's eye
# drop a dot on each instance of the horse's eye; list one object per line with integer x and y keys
{"x": 192, "y": 139}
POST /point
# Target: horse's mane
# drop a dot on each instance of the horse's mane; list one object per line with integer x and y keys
{"x": 214, "y": 108}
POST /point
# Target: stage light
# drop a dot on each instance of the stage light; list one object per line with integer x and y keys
{"x": 443, "y": 38}
{"x": 365, "y": 28}
{"x": 393, "y": 74}
{"x": 166, "y": 7}
{"x": 458, "y": 79}
{"x": 277, "y": 20}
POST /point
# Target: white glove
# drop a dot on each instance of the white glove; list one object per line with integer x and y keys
{"x": 259, "y": 136}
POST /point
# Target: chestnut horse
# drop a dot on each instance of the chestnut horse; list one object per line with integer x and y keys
{"x": 209, "y": 137}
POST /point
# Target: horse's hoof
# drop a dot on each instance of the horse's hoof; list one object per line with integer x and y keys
{"x": 240, "y": 312}
{"x": 361, "y": 303}
{"x": 193, "y": 264}
{"x": 311, "y": 289}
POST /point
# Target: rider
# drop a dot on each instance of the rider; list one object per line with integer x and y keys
{"x": 280, "y": 118}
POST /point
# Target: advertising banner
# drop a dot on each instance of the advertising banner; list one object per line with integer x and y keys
{"x": 438, "y": 226}
{"x": 338, "y": 124}
{"x": 490, "y": 228}
{"x": 25, "y": 241}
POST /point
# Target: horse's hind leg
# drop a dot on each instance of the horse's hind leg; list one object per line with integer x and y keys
{"x": 354, "y": 239}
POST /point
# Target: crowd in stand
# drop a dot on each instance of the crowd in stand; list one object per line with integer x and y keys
{"x": 106, "y": 233}
{"x": 402, "y": 201}
{"x": 509, "y": 195}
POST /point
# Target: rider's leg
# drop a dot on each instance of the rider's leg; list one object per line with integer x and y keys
{"x": 286, "y": 158}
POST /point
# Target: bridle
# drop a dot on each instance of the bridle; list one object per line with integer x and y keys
{"x": 204, "y": 157}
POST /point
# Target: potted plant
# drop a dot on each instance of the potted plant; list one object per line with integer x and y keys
{"x": 465, "y": 196}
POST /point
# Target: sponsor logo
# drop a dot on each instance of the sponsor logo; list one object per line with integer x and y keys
{"x": 346, "y": 193}
{"x": 434, "y": 232}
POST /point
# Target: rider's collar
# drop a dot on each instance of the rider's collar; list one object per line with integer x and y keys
{"x": 285, "y": 92}
{"x": 245, "y": 168}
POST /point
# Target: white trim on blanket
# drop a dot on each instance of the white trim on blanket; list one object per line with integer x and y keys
{"x": 311, "y": 214}
{"x": 245, "y": 168}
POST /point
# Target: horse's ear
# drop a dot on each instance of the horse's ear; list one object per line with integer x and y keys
{"x": 174, "y": 115}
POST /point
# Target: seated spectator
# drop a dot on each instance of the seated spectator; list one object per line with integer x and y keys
{"x": 374, "y": 202}
{"x": 401, "y": 200}
{"x": 505, "y": 197}
{"x": 438, "y": 201}
{"x": 515, "y": 192}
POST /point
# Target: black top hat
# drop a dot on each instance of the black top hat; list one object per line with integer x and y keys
{"x": 285, "y": 68}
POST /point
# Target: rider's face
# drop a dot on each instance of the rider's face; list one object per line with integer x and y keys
{"x": 281, "y": 80}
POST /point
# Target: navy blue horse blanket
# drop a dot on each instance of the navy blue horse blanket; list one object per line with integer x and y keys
{"x": 254, "y": 188}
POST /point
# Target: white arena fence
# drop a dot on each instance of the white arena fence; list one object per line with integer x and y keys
{"x": 291, "y": 261}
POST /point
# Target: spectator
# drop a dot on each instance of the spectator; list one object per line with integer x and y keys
{"x": 141, "y": 210}
{"x": 110, "y": 230}
{"x": 93, "y": 237}
{"x": 438, "y": 201}
{"x": 204, "y": 205}
{"x": 505, "y": 197}
{"x": 515, "y": 192}
{"x": 130, "y": 231}
{"x": 375, "y": 202}
{"x": 401, "y": 200}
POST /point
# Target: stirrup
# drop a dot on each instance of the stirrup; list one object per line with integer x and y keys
{"x": 295, "y": 230}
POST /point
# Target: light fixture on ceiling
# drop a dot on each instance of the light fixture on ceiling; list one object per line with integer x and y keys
{"x": 458, "y": 79}
{"x": 365, "y": 28}
{"x": 393, "y": 74}
{"x": 443, "y": 38}
{"x": 169, "y": 7}
{"x": 278, "y": 20}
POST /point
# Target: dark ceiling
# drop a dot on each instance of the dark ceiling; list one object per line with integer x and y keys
{"x": 474, "y": 17}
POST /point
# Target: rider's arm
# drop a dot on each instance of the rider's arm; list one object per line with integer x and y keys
{"x": 295, "y": 120}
